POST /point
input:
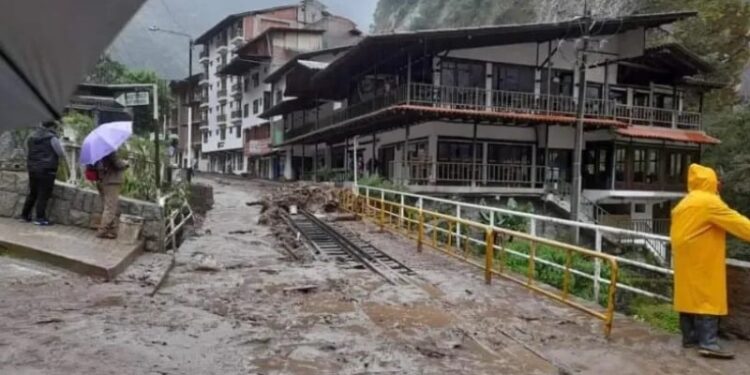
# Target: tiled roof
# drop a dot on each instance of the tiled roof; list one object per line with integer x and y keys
{"x": 677, "y": 135}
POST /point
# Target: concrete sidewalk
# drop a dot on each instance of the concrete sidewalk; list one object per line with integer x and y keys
{"x": 75, "y": 249}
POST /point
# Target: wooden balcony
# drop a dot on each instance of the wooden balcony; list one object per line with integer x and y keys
{"x": 513, "y": 105}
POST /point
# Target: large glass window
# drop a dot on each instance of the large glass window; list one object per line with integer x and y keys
{"x": 514, "y": 78}
{"x": 639, "y": 165}
{"x": 561, "y": 82}
{"x": 652, "y": 172}
{"x": 621, "y": 158}
{"x": 509, "y": 154}
{"x": 458, "y": 152}
{"x": 463, "y": 73}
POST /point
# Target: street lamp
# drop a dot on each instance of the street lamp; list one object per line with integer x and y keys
{"x": 191, "y": 44}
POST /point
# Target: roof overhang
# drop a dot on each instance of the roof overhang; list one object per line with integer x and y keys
{"x": 240, "y": 65}
{"x": 672, "y": 59}
{"x": 278, "y": 73}
{"x": 429, "y": 42}
{"x": 287, "y": 106}
{"x": 666, "y": 134}
{"x": 401, "y": 115}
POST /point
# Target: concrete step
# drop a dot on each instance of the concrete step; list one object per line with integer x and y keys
{"x": 72, "y": 248}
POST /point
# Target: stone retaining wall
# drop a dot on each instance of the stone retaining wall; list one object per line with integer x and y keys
{"x": 71, "y": 205}
{"x": 738, "y": 287}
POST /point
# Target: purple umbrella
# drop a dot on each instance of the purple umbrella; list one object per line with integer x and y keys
{"x": 104, "y": 140}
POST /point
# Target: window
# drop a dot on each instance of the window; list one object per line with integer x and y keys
{"x": 238, "y": 129}
{"x": 256, "y": 106}
{"x": 458, "y": 152}
{"x": 223, "y": 134}
{"x": 246, "y": 84}
{"x": 279, "y": 97}
{"x": 560, "y": 83}
{"x": 652, "y": 171}
{"x": 246, "y": 111}
{"x": 337, "y": 157}
{"x": 514, "y": 78}
{"x": 639, "y": 208}
{"x": 463, "y": 74}
{"x": 675, "y": 166}
{"x": 639, "y": 165}
{"x": 620, "y": 160}
{"x": 507, "y": 154}
{"x": 266, "y": 100}
{"x": 205, "y": 136}
{"x": 256, "y": 79}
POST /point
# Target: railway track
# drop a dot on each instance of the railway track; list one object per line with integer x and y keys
{"x": 339, "y": 244}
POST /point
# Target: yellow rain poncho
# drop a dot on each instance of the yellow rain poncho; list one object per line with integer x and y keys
{"x": 699, "y": 226}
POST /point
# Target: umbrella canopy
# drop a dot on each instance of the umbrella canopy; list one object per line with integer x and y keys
{"x": 46, "y": 49}
{"x": 104, "y": 140}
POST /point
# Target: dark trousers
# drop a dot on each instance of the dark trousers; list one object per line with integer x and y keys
{"x": 701, "y": 330}
{"x": 41, "y": 185}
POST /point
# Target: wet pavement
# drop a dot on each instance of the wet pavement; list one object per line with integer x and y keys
{"x": 236, "y": 304}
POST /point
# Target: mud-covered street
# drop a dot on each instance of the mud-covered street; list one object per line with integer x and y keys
{"x": 236, "y": 303}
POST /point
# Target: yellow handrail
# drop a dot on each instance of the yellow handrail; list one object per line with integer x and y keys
{"x": 376, "y": 210}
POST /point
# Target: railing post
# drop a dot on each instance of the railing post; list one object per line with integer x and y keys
{"x": 489, "y": 255}
{"x": 597, "y": 264}
{"x": 420, "y": 227}
{"x": 458, "y": 227}
{"x": 532, "y": 263}
{"x": 532, "y": 227}
{"x": 401, "y": 213}
{"x": 382, "y": 211}
{"x": 367, "y": 201}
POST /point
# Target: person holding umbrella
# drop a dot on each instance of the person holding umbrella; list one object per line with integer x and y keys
{"x": 99, "y": 154}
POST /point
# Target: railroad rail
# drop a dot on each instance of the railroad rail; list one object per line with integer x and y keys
{"x": 337, "y": 243}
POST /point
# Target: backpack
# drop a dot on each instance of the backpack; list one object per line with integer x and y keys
{"x": 91, "y": 173}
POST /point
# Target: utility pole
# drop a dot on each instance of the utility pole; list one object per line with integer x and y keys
{"x": 190, "y": 113}
{"x": 575, "y": 198}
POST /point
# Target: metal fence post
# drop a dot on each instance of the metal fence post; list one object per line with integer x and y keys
{"x": 597, "y": 264}
{"x": 532, "y": 227}
{"x": 458, "y": 227}
{"x": 489, "y": 255}
{"x": 401, "y": 213}
{"x": 382, "y": 211}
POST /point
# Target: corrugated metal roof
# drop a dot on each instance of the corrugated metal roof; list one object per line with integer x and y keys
{"x": 677, "y": 135}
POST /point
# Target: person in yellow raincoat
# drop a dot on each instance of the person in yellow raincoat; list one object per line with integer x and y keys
{"x": 698, "y": 233}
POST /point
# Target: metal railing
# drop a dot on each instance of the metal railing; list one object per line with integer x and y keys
{"x": 486, "y": 246}
{"x": 480, "y": 99}
{"x": 471, "y": 212}
{"x": 466, "y": 173}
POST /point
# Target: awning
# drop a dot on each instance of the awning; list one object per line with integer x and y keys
{"x": 242, "y": 64}
{"x": 677, "y": 135}
{"x": 288, "y": 106}
{"x": 46, "y": 49}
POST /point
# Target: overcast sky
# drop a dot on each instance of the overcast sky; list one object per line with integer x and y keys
{"x": 167, "y": 54}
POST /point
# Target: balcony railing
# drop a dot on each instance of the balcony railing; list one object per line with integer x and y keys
{"x": 481, "y": 100}
{"x": 221, "y": 93}
{"x": 221, "y": 118}
{"x": 463, "y": 174}
{"x": 236, "y": 115}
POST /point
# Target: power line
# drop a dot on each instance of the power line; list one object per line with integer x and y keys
{"x": 171, "y": 15}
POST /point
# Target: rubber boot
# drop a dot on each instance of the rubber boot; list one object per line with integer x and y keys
{"x": 687, "y": 326}
{"x": 708, "y": 335}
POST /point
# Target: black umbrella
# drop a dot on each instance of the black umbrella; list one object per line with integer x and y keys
{"x": 46, "y": 49}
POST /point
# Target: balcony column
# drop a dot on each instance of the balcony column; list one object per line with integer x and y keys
{"x": 433, "y": 152}
{"x": 403, "y": 174}
{"x": 474, "y": 156}
{"x": 488, "y": 87}
{"x": 289, "y": 159}
{"x": 315, "y": 164}
{"x": 408, "y": 79}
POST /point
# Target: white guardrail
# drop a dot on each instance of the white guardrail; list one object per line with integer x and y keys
{"x": 533, "y": 219}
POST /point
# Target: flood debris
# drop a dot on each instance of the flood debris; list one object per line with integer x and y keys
{"x": 315, "y": 198}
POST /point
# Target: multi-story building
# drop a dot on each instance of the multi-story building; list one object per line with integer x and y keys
{"x": 185, "y": 94}
{"x": 492, "y": 110}
{"x": 239, "y": 53}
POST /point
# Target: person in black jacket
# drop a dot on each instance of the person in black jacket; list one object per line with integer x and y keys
{"x": 44, "y": 155}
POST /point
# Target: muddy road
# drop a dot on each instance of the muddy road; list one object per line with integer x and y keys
{"x": 236, "y": 303}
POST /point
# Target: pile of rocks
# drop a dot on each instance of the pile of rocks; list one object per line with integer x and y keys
{"x": 317, "y": 199}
